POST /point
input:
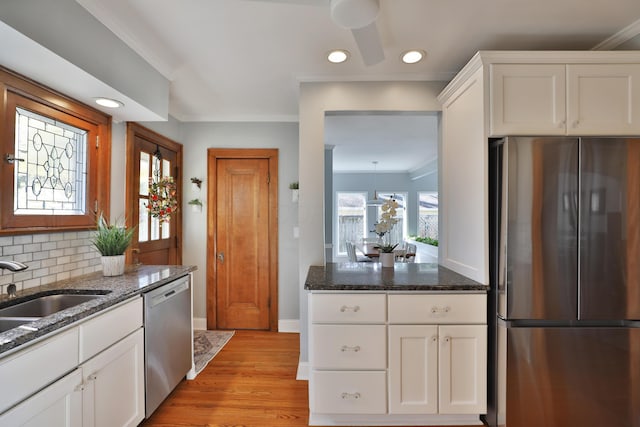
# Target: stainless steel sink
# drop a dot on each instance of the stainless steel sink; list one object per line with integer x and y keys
{"x": 7, "y": 323}
{"x": 45, "y": 305}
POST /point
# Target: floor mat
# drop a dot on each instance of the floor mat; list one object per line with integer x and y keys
{"x": 206, "y": 344}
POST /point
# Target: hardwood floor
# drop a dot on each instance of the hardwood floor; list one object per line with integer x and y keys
{"x": 250, "y": 383}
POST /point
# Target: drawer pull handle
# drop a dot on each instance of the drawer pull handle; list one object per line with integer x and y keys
{"x": 440, "y": 310}
{"x": 354, "y": 396}
{"x": 355, "y": 348}
{"x": 355, "y": 308}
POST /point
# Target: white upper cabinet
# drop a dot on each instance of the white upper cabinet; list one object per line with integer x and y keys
{"x": 564, "y": 99}
{"x": 528, "y": 99}
{"x": 603, "y": 99}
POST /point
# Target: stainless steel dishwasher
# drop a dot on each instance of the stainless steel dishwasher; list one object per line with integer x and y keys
{"x": 167, "y": 339}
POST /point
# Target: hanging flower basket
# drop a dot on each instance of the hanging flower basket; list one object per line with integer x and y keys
{"x": 162, "y": 198}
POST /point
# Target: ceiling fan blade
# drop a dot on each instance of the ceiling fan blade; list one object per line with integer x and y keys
{"x": 368, "y": 41}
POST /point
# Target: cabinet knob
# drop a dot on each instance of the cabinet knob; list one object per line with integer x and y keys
{"x": 447, "y": 339}
{"x": 355, "y": 308}
{"x": 434, "y": 338}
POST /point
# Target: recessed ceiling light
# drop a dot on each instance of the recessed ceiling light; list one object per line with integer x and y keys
{"x": 338, "y": 56}
{"x": 109, "y": 103}
{"x": 412, "y": 56}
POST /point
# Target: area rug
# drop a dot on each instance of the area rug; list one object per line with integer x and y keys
{"x": 206, "y": 344}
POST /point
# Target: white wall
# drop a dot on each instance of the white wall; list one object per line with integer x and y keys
{"x": 315, "y": 100}
{"x": 197, "y": 138}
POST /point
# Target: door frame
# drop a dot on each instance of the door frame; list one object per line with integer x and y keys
{"x": 131, "y": 197}
{"x": 213, "y": 154}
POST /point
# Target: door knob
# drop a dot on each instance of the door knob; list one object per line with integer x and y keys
{"x": 221, "y": 257}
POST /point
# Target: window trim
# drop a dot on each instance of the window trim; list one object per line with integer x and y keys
{"x": 17, "y": 90}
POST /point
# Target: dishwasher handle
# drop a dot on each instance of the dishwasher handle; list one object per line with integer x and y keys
{"x": 167, "y": 292}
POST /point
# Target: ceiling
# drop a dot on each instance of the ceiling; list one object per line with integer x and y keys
{"x": 243, "y": 60}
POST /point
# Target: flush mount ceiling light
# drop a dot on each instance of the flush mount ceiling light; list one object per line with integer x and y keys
{"x": 337, "y": 56}
{"x": 412, "y": 56}
{"x": 109, "y": 103}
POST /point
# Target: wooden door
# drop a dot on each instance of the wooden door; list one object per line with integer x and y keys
{"x": 152, "y": 156}
{"x": 242, "y": 246}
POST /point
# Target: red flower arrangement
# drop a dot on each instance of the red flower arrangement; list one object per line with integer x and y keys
{"x": 162, "y": 198}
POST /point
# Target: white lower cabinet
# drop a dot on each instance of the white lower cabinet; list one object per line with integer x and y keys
{"x": 437, "y": 369}
{"x": 418, "y": 359}
{"x": 80, "y": 377}
{"x": 113, "y": 391}
{"x": 60, "y": 404}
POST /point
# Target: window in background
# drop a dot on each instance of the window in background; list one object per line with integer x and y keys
{"x": 351, "y": 212}
{"x": 51, "y": 175}
{"x": 399, "y": 231}
{"x": 428, "y": 214}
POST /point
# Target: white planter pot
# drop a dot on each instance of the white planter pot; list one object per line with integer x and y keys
{"x": 387, "y": 259}
{"x": 113, "y": 265}
{"x": 295, "y": 194}
{"x": 196, "y": 208}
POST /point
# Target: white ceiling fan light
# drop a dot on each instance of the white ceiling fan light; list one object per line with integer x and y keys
{"x": 354, "y": 14}
{"x": 359, "y": 16}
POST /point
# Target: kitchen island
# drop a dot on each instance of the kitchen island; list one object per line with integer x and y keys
{"x": 401, "y": 346}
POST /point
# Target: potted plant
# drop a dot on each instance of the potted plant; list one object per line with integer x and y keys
{"x": 196, "y": 184}
{"x": 112, "y": 240}
{"x": 295, "y": 190}
{"x": 383, "y": 227}
{"x": 196, "y": 205}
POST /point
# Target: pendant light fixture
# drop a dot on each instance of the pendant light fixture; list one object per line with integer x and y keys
{"x": 375, "y": 201}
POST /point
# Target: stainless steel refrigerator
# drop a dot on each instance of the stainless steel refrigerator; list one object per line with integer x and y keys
{"x": 565, "y": 282}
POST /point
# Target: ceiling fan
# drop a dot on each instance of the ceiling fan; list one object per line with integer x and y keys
{"x": 359, "y": 16}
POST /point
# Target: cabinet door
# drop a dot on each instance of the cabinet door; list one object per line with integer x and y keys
{"x": 413, "y": 369}
{"x": 462, "y": 368}
{"x": 603, "y": 99}
{"x": 59, "y": 404}
{"x": 527, "y": 99}
{"x": 114, "y": 384}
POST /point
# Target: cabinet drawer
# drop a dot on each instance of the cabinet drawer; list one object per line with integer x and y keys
{"x": 339, "y": 392}
{"x": 31, "y": 369}
{"x": 349, "y": 347}
{"x": 447, "y": 309}
{"x": 348, "y": 308}
{"x": 109, "y": 328}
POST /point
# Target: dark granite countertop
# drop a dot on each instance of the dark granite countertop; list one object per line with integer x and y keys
{"x": 136, "y": 280}
{"x": 369, "y": 276}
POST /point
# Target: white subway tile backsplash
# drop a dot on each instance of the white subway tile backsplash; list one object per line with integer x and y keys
{"x": 47, "y": 246}
{"x": 41, "y": 238}
{"x": 32, "y": 247}
{"x": 22, "y": 240}
{"x": 50, "y": 257}
{"x": 12, "y": 250}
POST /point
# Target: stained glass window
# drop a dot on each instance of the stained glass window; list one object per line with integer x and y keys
{"x": 51, "y": 166}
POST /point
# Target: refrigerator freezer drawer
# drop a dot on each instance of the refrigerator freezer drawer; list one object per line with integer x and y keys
{"x": 559, "y": 377}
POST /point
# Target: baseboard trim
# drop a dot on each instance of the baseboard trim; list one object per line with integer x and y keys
{"x": 303, "y": 371}
{"x": 200, "y": 323}
{"x": 289, "y": 325}
{"x": 284, "y": 325}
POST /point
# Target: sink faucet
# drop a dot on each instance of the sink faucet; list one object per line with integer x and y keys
{"x": 11, "y": 290}
{"x": 13, "y": 265}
